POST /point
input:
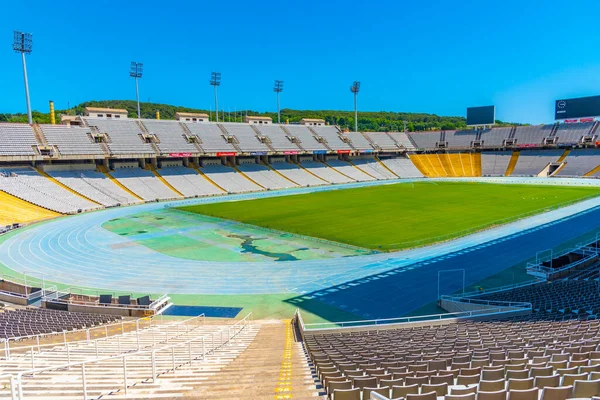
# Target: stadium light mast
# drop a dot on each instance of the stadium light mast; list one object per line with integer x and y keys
{"x": 22, "y": 43}
{"x": 278, "y": 88}
{"x": 215, "y": 81}
{"x": 135, "y": 72}
{"x": 355, "y": 88}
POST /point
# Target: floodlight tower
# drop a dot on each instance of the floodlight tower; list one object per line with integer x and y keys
{"x": 215, "y": 81}
{"x": 22, "y": 43}
{"x": 354, "y": 89}
{"x": 135, "y": 72}
{"x": 278, "y": 88}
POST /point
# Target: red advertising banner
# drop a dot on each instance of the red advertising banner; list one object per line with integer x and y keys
{"x": 226, "y": 154}
{"x": 570, "y": 121}
{"x": 180, "y": 154}
{"x": 290, "y": 152}
{"x": 344, "y": 151}
{"x": 586, "y": 119}
{"x": 528, "y": 145}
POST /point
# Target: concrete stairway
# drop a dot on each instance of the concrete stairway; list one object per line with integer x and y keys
{"x": 163, "y": 361}
{"x": 273, "y": 367}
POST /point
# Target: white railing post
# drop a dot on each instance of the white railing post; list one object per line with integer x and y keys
{"x": 153, "y": 332}
{"x": 173, "y": 358}
{"x": 137, "y": 336}
{"x": 20, "y": 385}
{"x": 6, "y": 349}
{"x": 32, "y": 359}
{"x": 13, "y": 394}
{"x": 87, "y": 334}
{"x": 125, "y": 373}
{"x": 203, "y": 349}
{"x": 153, "y": 366}
{"x": 119, "y": 343}
{"x": 105, "y": 331}
{"x": 122, "y": 327}
{"x": 83, "y": 381}
{"x": 37, "y": 340}
{"x": 64, "y": 337}
{"x": 68, "y": 356}
{"x": 96, "y": 345}
{"x": 190, "y": 351}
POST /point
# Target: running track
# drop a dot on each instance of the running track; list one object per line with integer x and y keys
{"x": 76, "y": 251}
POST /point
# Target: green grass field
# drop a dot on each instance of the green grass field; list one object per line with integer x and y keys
{"x": 392, "y": 217}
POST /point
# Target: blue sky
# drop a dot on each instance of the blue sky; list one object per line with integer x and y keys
{"x": 433, "y": 56}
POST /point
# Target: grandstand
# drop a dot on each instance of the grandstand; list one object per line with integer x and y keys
{"x": 246, "y": 136}
{"x": 580, "y": 162}
{"x": 124, "y": 136}
{"x": 533, "y": 162}
{"x": 279, "y": 139}
{"x": 304, "y": 136}
{"x": 71, "y": 140}
{"x": 211, "y": 138}
{"x": 171, "y": 137}
{"x": 17, "y": 140}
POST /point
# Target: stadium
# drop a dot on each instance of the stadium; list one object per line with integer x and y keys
{"x": 194, "y": 257}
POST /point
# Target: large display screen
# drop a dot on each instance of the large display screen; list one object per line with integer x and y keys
{"x": 481, "y": 115}
{"x": 579, "y": 107}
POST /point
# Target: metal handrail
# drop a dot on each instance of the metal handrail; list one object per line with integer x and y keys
{"x": 88, "y": 340}
{"x": 19, "y": 376}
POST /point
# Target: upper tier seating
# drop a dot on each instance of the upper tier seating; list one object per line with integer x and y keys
{"x": 171, "y": 136}
{"x": 382, "y": 140}
{"x": 124, "y": 136}
{"x": 211, "y": 136}
{"x": 305, "y": 136}
{"x": 324, "y": 172}
{"x": 188, "y": 182}
{"x": 265, "y": 176}
{"x": 532, "y": 135}
{"x": 229, "y": 179}
{"x": 358, "y": 141}
{"x": 580, "y": 162}
{"x": 17, "y": 139}
{"x": 349, "y": 170}
{"x": 402, "y": 139}
{"x": 572, "y": 133}
{"x": 402, "y": 167}
{"x": 495, "y": 163}
{"x": 278, "y": 137}
{"x": 35, "y": 321}
{"x": 495, "y": 137}
{"x": 297, "y": 174}
{"x": 246, "y": 136}
{"x": 332, "y": 136}
{"x": 93, "y": 185}
{"x": 461, "y": 138}
{"x": 373, "y": 168}
{"x": 143, "y": 183}
{"x": 426, "y": 140}
{"x": 71, "y": 140}
{"x": 532, "y": 162}
{"x": 30, "y": 186}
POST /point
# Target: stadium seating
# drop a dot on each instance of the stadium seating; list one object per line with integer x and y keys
{"x": 143, "y": 183}
{"x": 532, "y": 135}
{"x": 297, "y": 174}
{"x": 374, "y": 168}
{"x": 246, "y": 137}
{"x": 305, "y": 137}
{"x": 573, "y": 133}
{"x": 17, "y": 211}
{"x": 580, "y": 162}
{"x": 71, "y": 140}
{"x": 265, "y": 177}
{"x": 461, "y": 138}
{"x": 425, "y": 140}
{"x": 332, "y": 137}
{"x": 494, "y": 138}
{"x": 171, "y": 136}
{"x": 358, "y": 141}
{"x": 349, "y": 170}
{"x": 278, "y": 138}
{"x": 124, "y": 136}
{"x": 189, "y": 182}
{"x": 324, "y": 172}
{"x": 17, "y": 139}
{"x": 402, "y": 139}
{"x": 495, "y": 163}
{"x": 532, "y": 162}
{"x": 93, "y": 185}
{"x": 34, "y": 188}
{"x": 229, "y": 179}
{"x": 382, "y": 140}
{"x": 35, "y": 321}
{"x": 211, "y": 136}
{"x": 403, "y": 167}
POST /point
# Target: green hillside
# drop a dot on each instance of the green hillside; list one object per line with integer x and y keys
{"x": 367, "y": 121}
